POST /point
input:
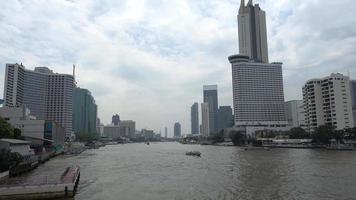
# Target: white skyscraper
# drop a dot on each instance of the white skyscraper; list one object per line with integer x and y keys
{"x": 205, "y": 126}
{"x": 258, "y": 94}
{"x": 48, "y": 95}
{"x": 252, "y": 32}
{"x": 327, "y": 101}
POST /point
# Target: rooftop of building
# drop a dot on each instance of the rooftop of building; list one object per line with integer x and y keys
{"x": 14, "y": 141}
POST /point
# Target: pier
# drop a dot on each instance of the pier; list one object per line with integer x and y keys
{"x": 65, "y": 187}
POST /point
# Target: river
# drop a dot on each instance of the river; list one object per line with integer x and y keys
{"x": 163, "y": 171}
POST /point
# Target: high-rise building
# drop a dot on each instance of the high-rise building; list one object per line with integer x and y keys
{"x": 194, "y": 119}
{"x": 84, "y": 113}
{"x": 177, "y": 130}
{"x": 210, "y": 94}
{"x": 165, "y": 132}
{"x": 225, "y": 117}
{"x": 295, "y": 113}
{"x": 258, "y": 94}
{"x": 205, "y": 125}
{"x": 115, "y": 120}
{"x": 48, "y": 95}
{"x": 327, "y": 101}
{"x": 353, "y": 98}
{"x": 252, "y": 32}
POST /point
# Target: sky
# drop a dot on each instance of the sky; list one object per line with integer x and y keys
{"x": 148, "y": 60}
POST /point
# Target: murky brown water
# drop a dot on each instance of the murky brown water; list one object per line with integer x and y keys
{"x": 163, "y": 171}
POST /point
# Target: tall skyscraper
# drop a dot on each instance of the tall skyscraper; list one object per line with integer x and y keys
{"x": 353, "y": 98}
{"x": 252, "y": 32}
{"x": 48, "y": 95}
{"x": 115, "y": 120}
{"x": 194, "y": 119}
{"x": 225, "y": 118}
{"x": 327, "y": 101}
{"x": 205, "y": 124}
{"x": 84, "y": 113}
{"x": 258, "y": 94}
{"x": 210, "y": 94}
{"x": 177, "y": 130}
{"x": 165, "y": 132}
{"x": 295, "y": 113}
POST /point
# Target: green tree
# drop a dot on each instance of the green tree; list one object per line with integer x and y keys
{"x": 6, "y": 130}
{"x": 298, "y": 133}
{"x": 7, "y": 159}
{"x": 237, "y": 138}
{"x": 17, "y": 133}
{"x": 323, "y": 134}
{"x": 217, "y": 137}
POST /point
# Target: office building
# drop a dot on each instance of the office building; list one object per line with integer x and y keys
{"x": 48, "y": 95}
{"x": 252, "y": 32}
{"x": 205, "y": 125}
{"x": 165, "y": 132}
{"x": 210, "y": 94}
{"x": 115, "y": 120}
{"x": 353, "y": 98}
{"x": 177, "y": 130}
{"x": 225, "y": 117}
{"x": 327, "y": 101}
{"x": 84, "y": 113}
{"x": 295, "y": 113}
{"x": 194, "y": 119}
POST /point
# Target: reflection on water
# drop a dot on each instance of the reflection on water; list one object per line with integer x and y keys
{"x": 163, "y": 171}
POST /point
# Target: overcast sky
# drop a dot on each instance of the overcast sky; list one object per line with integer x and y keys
{"x": 147, "y": 60}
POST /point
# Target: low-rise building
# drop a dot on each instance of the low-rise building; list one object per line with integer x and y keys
{"x": 39, "y": 132}
{"x": 19, "y": 146}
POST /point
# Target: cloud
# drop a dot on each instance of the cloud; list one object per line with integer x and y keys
{"x": 148, "y": 59}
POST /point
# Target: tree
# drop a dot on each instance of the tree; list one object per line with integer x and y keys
{"x": 323, "y": 134}
{"x": 17, "y": 133}
{"x": 7, "y": 159}
{"x": 237, "y": 138}
{"x": 217, "y": 137}
{"x": 298, "y": 133}
{"x": 6, "y": 130}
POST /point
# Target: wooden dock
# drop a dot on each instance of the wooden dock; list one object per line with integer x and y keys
{"x": 67, "y": 187}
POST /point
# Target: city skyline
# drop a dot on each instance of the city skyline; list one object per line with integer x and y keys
{"x": 118, "y": 64}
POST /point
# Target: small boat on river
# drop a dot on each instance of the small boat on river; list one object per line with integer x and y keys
{"x": 193, "y": 153}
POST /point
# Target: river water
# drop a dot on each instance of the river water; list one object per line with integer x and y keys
{"x": 163, "y": 171}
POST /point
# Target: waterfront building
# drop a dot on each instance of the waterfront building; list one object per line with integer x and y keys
{"x": 327, "y": 101}
{"x": 165, "y": 132}
{"x": 17, "y": 146}
{"x": 205, "y": 126}
{"x": 258, "y": 95}
{"x": 48, "y": 95}
{"x": 125, "y": 128}
{"x": 225, "y": 117}
{"x": 210, "y": 94}
{"x": 129, "y": 127}
{"x": 252, "y": 32}
{"x": 353, "y": 98}
{"x": 177, "y": 130}
{"x": 39, "y": 132}
{"x": 295, "y": 113}
{"x": 84, "y": 113}
{"x": 148, "y": 134}
{"x": 115, "y": 120}
{"x": 194, "y": 119}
